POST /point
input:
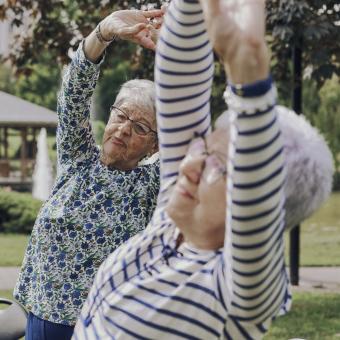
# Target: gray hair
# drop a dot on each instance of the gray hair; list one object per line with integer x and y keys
{"x": 140, "y": 92}
{"x": 308, "y": 161}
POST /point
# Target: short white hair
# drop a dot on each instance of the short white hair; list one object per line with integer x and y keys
{"x": 140, "y": 92}
{"x": 309, "y": 165}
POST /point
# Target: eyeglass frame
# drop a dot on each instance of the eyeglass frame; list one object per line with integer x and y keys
{"x": 222, "y": 172}
{"x": 133, "y": 121}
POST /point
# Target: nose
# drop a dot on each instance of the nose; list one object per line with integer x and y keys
{"x": 192, "y": 167}
{"x": 126, "y": 127}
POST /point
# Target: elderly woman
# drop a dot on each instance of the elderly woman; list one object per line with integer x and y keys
{"x": 100, "y": 198}
{"x": 210, "y": 265}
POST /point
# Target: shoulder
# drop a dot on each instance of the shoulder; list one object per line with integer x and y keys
{"x": 153, "y": 160}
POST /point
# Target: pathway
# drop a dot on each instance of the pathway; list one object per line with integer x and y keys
{"x": 311, "y": 278}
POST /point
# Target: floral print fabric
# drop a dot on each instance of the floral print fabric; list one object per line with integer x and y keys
{"x": 91, "y": 211}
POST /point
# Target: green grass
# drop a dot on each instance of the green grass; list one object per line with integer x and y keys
{"x": 313, "y": 317}
{"x": 7, "y": 294}
{"x": 320, "y": 236}
{"x": 320, "y": 239}
{"x": 12, "y": 249}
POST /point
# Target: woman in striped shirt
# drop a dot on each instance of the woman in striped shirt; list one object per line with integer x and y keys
{"x": 210, "y": 265}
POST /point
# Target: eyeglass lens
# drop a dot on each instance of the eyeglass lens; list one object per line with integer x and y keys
{"x": 138, "y": 127}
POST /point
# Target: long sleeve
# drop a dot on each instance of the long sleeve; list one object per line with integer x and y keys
{"x": 183, "y": 75}
{"x": 151, "y": 288}
{"x": 75, "y": 142}
{"x": 254, "y": 253}
{"x": 252, "y": 276}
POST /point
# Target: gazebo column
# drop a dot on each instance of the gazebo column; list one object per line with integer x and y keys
{"x": 23, "y": 153}
{"x": 1, "y": 142}
{"x": 34, "y": 141}
{"x": 6, "y": 142}
{"x": 4, "y": 161}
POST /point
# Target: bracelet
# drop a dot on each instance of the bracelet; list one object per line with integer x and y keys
{"x": 256, "y": 89}
{"x": 100, "y": 37}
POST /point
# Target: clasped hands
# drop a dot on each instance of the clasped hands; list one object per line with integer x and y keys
{"x": 236, "y": 30}
{"x": 140, "y": 27}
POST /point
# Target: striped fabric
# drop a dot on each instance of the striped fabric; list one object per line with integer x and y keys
{"x": 148, "y": 288}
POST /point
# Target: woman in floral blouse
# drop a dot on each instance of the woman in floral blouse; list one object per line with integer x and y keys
{"x": 101, "y": 197}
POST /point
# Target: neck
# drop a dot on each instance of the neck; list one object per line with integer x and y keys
{"x": 120, "y": 165}
{"x": 211, "y": 241}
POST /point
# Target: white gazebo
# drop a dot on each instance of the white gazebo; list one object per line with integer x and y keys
{"x": 18, "y": 116}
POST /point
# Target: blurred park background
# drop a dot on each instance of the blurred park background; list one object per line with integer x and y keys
{"x": 37, "y": 40}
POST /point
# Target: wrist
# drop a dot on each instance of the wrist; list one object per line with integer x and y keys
{"x": 248, "y": 65}
{"x": 254, "y": 89}
{"x": 103, "y": 37}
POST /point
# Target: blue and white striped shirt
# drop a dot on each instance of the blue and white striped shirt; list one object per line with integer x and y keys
{"x": 151, "y": 289}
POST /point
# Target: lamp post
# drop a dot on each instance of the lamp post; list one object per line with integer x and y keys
{"x": 294, "y": 244}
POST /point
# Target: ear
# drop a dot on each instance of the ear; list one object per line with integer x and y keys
{"x": 153, "y": 147}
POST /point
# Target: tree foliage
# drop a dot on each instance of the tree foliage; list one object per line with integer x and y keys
{"x": 52, "y": 29}
{"x": 322, "y": 108}
{"x": 18, "y": 212}
{"x": 56, "y": 26}
{"x": 313, "y": 25}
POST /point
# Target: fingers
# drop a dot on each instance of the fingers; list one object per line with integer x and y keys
{"x": 253, "y": 19}
{"x": 147, "y": 43}
{"x": 141, "y": 34}
{"x": 154, "y": 13}
{"x": 127, "y": 32}
{"x": 146, "y": 38}
{"x": 156, "y": 23}
{"x": 212, "y": 7}
{"x": 164, "y": 7}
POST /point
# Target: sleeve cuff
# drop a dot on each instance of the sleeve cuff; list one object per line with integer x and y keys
{"x": 255, "y": 89}
{"x": 256, "y": 97}
{"x": 83, "y": 63}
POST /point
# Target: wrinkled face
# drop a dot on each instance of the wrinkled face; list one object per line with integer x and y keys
{"x": 123, "y": 144}
{"x": 198, "y": 202}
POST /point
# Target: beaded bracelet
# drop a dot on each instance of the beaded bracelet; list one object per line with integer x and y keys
{"x": 255, "y": 89}
{"x": 100, "y": 37}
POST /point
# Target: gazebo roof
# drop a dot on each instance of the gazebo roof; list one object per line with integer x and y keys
{"x": 16, "y": 112}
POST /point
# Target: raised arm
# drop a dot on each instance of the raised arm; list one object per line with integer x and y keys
{"x": 183, "y": 76}
{"x": 75, "y": 142}
{"x": 74, "y": 137}
{"x": 255, "y": 280}
{"x": 140, "y": 27}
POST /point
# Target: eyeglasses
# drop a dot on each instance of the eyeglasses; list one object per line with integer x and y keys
{"x": 214, "y": 166}
{"x": 121, "y": 117}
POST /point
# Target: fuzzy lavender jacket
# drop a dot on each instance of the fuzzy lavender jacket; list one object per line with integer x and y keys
{"x": 308, "y": 161}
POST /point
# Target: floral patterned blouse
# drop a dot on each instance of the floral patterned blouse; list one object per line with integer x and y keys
{"x": 90, "y": 212}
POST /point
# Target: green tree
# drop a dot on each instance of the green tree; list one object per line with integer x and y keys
{"x": 39, "y": 85}
{"x": 322, "y": 108}
{"x": 58, "y": 26}
{"x": 312, "y": 27}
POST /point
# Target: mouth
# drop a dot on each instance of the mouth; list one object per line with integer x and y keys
{"x": 184, "y": 192}
{"x": 118, "y": 141}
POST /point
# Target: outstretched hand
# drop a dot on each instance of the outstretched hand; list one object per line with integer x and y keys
{"x": 140, "y": 27}
{"x": 236, "y": 30}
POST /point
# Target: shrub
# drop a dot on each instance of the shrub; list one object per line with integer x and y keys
{"x": 18, "y": 211}
{"x": 98, "y": 130}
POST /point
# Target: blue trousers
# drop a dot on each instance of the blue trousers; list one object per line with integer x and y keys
{"x": 39, "y": 329}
